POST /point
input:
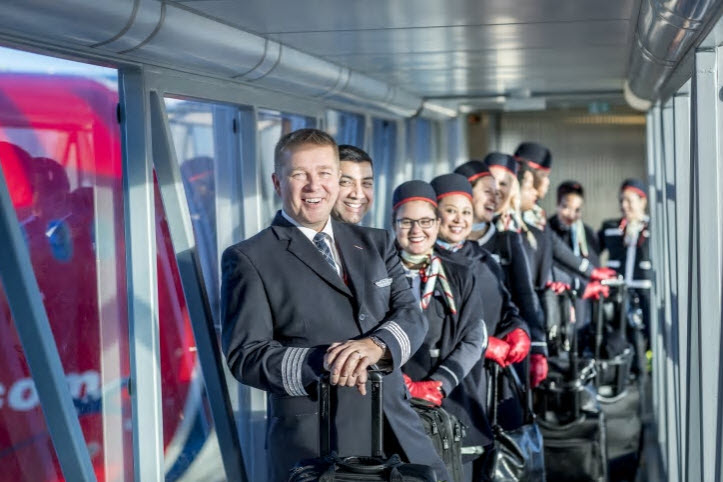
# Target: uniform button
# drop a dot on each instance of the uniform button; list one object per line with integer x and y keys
{"x": 362, "y": 317}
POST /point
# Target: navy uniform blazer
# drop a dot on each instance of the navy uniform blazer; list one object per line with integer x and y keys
{"x": 283, "y": 305}
{"x": 453, "y": 356}
{"x": 540, "y": 257}
{"x": 507, "y": 247}
{"x": 500, "y": 313}
{"x": 567, "y": 267}
{"x": 612, "y": 238}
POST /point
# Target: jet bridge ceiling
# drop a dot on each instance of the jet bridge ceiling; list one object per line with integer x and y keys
{"x": 457, "y": 48}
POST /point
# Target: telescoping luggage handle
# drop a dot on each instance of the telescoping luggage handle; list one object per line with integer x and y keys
{"x": 375, "y": 378}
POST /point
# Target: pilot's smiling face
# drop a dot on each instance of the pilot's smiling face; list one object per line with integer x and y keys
{"x": 356, "y": 191}
{"x": 309, "y": 184}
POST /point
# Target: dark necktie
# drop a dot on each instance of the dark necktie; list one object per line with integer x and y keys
{"x": 323, "y": 247}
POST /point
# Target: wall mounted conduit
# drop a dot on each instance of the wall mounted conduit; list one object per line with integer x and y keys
{"x": 665, "y": 33}
{"x": 170, "y": 35}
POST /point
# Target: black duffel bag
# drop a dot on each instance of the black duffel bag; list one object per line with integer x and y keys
{"x": 446, "y": 433}
{"x": 518, "y": 453}
{"x": 332, "y": 468}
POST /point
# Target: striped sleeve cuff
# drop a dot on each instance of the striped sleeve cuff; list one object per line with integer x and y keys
{"x": 401, "y": 338}
{"x": 291, "y": 367}
{"x": 485, "y": 336}
{"x": 539, "y": 347}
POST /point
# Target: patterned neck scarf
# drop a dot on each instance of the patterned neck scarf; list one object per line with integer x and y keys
{"x": 454, "y": 247}
{"x": 632, "y": 231}
{"x": 580, "y": 238}
{"x": 529, "y": 234}
{"x": 431, "y": 271}
{"x": 536, "y": 216}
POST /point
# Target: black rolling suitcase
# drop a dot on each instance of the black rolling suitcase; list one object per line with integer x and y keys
{"x": 446, "y": 433}
{"x": 624, "y": 432}
{"x": 570, "y": 418}
{"x": 619, "y": 388}
{"x": 575, "y": 451}
{"x": 377, "y": 467}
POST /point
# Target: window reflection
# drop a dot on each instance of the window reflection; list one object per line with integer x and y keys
{"x": 61, "y": 159}
{"x": 383, "y": 152}
{"x": 345, "y": 127}
{"x": 206, "y": 147}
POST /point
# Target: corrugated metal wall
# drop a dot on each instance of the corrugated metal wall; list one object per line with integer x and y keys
{"x": 597, "y": 150}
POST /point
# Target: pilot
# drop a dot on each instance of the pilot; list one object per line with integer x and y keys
{"x": 447, "y": 369}
{"x": 356, "y": 186}
{"x": 309, "y": 295}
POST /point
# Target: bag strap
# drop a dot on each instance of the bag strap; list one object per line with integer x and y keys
{"x": 519, "y": 389}
{"x": 494, "y": 394}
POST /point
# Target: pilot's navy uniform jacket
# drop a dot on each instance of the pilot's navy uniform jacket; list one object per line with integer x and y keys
{"x": 506, "y": 247}
{"x": 283, "y": 305}
{"x": 452, "y": 352}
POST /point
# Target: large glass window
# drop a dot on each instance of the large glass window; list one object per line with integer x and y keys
{"x": 419, "y": 146}
{"x": 207, "y": 147}
{"x": 345, "y": 127}
{"x": 383, "y": 152}
{"x": 272, "y": 125}
{"x": 60, "y": 153}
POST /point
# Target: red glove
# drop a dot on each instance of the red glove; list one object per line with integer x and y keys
{"x": 558, "y": 287}
{"x": 595, "y": 291}
{"x": 497, "y": 351}
{"x": 519, "y": 346}
{"x": 538, "y": 369}
{"x": 429, "y": 390}
{"x": 599, "y": 274}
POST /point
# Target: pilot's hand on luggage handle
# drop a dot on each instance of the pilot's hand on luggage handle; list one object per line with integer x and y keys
{"x": 429, "y": 390}
{"x": 519, "y": 345}
{"x": 538, "y": 369}
{"x": 348, "y": 362}
{"x": 497, "y": 351}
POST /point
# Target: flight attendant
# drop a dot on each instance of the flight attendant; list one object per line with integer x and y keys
{"x": 539, "y": 159}
{"x": 568, "y": 226}
{"x": 446, "y": 369}
{"x": 454, "y": 195}
{"x": 507, "y": 250}
{"x": 627, "y": 241}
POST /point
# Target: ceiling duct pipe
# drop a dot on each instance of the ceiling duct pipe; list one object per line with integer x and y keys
{"x": 666, "y": 31}
{"x": 174, "y": 36}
